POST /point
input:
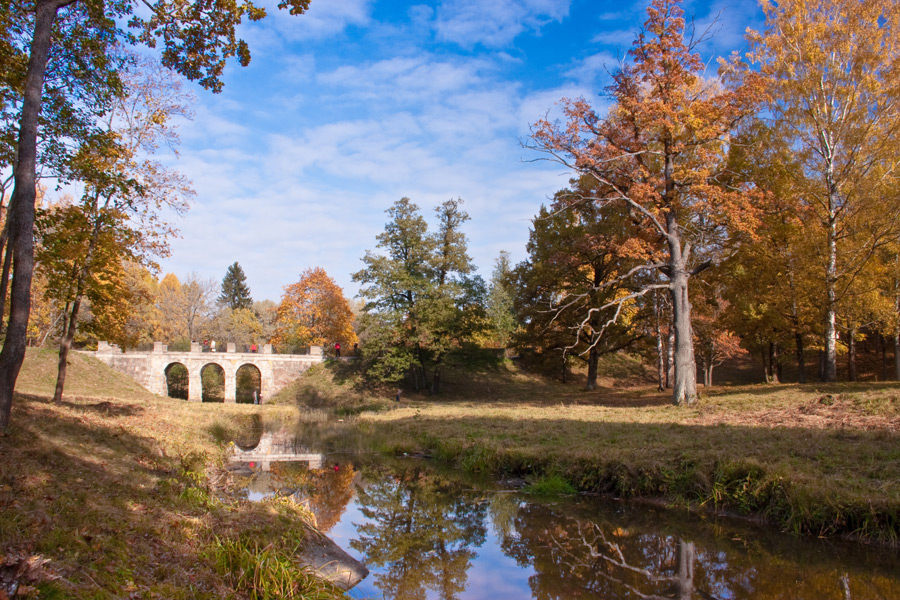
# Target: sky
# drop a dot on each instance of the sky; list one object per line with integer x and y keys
{"x": 357, "y": 103}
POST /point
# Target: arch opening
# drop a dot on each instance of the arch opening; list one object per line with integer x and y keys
{"x": 177, "y": 381}
{"x": 248, "y": 381}
{"x": 213, "y": 378}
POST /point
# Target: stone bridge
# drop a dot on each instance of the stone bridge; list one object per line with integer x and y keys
{"x": 150, "y": 368}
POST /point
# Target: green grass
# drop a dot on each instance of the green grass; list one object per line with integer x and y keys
{"x": 335, "y": 386}
{"x": 550, "y": 485}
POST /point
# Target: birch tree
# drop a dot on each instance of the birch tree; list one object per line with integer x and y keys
{"x": 834, "y": 84}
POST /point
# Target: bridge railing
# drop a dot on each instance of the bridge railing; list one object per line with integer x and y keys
{"x": 196, "y": 347}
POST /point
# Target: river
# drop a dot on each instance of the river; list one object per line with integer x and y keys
{"x": 426, "y": 533}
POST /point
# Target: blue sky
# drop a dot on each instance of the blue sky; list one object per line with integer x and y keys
{"x": 358, "y": 103}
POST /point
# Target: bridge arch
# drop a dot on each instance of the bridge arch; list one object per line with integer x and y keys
{"x": 248, "y": 384}
{"x": 177, "y": 381}
{"x": 212, "y": 380}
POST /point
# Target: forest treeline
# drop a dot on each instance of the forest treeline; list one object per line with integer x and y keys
{"x": 748, "y": 206}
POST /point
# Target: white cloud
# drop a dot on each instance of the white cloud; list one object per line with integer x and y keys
{"x": 594, "y": 70}
{"x": 296, "y": 162}
{"x": 616, "y": 38}
{"x": 324, "y": 19}
{"x": 495, "y": 23}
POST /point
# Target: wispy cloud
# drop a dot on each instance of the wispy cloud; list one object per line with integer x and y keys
{"x": 495, "y": 23}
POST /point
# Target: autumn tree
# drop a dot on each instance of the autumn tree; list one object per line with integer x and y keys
{"x": 769, "y": 282}
{"x": 197, "y": 41}
{"x": 314, "y": 312}
{"x": 266, "y": 312}
{"x": 715, "y": 342}
{"x": 237, "y": 325}
{"x": 185, "y": 306}
{"x": 235, "y": 291}
{"x": 125, "y": 192}
{"x": 658, "y": 151}
{"x": 831, "y": 66}
{"x": 144, "y": 322}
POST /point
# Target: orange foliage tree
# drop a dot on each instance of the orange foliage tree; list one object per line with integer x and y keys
{"x": 659, "y": 151}
{"x": 314, "y": 312}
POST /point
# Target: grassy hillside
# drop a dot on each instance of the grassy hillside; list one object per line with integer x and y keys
{"x": 86, "y": 377}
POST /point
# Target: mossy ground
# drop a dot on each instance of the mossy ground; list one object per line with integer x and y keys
{"x": 114, "y": 494}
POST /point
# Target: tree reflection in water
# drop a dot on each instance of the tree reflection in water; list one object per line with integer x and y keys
{"x": 577, "y": 556}
{"x": 570, "y": 554}
{"x": 422, "y": 530}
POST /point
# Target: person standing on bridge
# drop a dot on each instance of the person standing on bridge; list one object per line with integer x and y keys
{"x": 337, "y": 349}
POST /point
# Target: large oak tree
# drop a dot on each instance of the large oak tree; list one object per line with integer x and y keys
{"x": 659, "y": 151}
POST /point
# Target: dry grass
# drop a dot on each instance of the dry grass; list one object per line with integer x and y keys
{"x": 812, "y": 459}
{"x": 119, "y": 489}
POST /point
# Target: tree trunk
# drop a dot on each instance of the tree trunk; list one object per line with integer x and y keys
{"x": 684, "y": 391}
{"x": 72, "y": 324}
{"x": 65, "y": 345}
{"x": 670, "y": 357}
{"x": 830, "y": 370}
{"x": 801, "y": 358}
{"x": 897, "y": 355}
{"x": 685, "y": 555}
{"x": 773, "y": 374}
{"x": 660, "y": 349}
{"x": 851, "y": 355}
{"x": 593, "y": 363}
{"x": 21, "y": 213}
{"x": 6, "y": 252}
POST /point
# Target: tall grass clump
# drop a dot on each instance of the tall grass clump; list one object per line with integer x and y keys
{"x": 268, "y": 572}
{"x": 551, "y": 485}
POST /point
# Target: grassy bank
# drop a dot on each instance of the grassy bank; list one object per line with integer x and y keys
{"x": 114, "y": 494}
{"x": 811, "y": 459}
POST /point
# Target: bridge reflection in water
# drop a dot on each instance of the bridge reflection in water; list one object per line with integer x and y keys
{"x": 277, "y": 447}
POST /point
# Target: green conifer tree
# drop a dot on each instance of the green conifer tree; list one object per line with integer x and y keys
{"x": 235, "y": 291}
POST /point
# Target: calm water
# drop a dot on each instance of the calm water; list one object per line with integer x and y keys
{"x": 430, "y": 535}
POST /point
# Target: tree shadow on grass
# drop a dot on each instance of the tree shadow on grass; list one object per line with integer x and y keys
{"x": 89, "y": 405}
{"x": 115, "y": 513}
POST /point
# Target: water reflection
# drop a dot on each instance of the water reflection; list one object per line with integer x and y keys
{"x": 421, "y": 534}
{"x": 577, "y": 551}
{"x": 426, "y": 535}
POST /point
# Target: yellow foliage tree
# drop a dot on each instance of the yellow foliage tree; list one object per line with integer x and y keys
{"x": 314, "y": 312}
{"x": 831, "y": 66}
